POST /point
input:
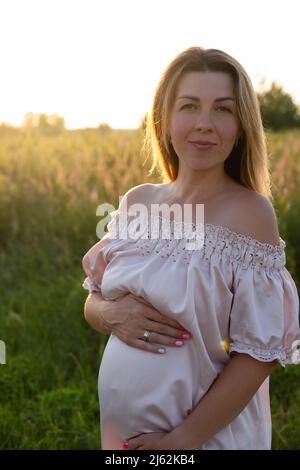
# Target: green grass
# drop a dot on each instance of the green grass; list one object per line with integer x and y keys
{"x": 48, "y": 386}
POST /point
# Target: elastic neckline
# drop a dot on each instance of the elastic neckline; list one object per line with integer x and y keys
{"x": 226, "y": 231}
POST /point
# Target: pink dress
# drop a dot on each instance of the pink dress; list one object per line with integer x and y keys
{"x": 233, "y": 294}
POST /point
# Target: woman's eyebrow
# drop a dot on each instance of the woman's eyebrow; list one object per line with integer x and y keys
{"x": 195, "y": 98}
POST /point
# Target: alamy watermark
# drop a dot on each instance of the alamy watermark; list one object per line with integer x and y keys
{"x": 160, "y": 221}
{"x": 2, "y": 352}
{"x": 296, "y": 353}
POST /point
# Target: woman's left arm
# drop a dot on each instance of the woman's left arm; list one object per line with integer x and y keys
{"x": 223, "y": 402}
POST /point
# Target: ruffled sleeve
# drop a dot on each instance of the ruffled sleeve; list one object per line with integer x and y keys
{"x": 93, "y": 262}
{"x": 264, "y": 318}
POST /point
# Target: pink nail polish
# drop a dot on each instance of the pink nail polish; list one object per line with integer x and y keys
{"x": 125, "y": 445}
{"x": 186, "y": 335}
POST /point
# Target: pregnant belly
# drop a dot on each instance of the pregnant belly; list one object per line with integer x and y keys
{"x": 140, "y": 391}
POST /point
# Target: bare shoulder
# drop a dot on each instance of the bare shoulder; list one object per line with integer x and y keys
{"x": 257, "y": 217}
{"x": 140, "y": 194}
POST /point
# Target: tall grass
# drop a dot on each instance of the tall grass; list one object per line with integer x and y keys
{"x": 49, "y": 190}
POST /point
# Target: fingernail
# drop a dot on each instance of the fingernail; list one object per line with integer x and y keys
{"x": 179, "y": 343}
{"x": 125, "y": 445}
{"x": 186, "y": 335}
{"x": 161, "y": 350}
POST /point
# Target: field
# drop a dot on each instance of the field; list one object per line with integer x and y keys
{"x": 50, "y": 187}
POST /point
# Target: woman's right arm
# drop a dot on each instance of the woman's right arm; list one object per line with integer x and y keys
{"x": 94, "y": 308}
{"x": 128, "y": 317}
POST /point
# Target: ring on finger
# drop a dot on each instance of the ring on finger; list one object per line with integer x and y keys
{"x": 146, "y": 335}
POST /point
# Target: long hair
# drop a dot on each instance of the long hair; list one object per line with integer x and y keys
{"x": 248, "y": 161}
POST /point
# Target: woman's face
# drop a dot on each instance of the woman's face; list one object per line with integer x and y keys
{"x": 203, "y": 116}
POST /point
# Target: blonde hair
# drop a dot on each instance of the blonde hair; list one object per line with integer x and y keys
{"x": 248, "y": 161}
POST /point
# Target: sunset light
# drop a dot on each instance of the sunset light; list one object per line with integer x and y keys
{"x": 94, "y": 61}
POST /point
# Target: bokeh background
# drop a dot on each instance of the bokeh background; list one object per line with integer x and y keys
{"x": 77, "y": 79}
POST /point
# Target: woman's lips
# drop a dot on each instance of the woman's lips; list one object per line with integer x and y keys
{"x": 202, "y": 146}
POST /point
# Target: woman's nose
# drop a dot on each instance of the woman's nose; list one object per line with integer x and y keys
{"x": 204, "y": 121}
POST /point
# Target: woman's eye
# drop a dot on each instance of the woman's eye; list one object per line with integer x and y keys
{"x": 224, "y": 108}
{"x": 188, "y": 106}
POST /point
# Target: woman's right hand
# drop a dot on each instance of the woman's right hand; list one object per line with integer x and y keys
{"x": 128, "y": 317}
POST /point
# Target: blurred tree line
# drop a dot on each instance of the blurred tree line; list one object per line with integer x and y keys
{"x": 278, "y": 109}
{"x": 47, "y": 124}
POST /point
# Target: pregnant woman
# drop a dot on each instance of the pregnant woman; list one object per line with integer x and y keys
{"x": 195, "y": 331}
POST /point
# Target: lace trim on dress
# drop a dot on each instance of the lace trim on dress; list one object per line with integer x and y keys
{"x": 284, "y": 356}
{"x": 169, "y": 238}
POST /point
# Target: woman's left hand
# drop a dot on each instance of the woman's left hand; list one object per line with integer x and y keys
{"x": 152, "y": 441}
